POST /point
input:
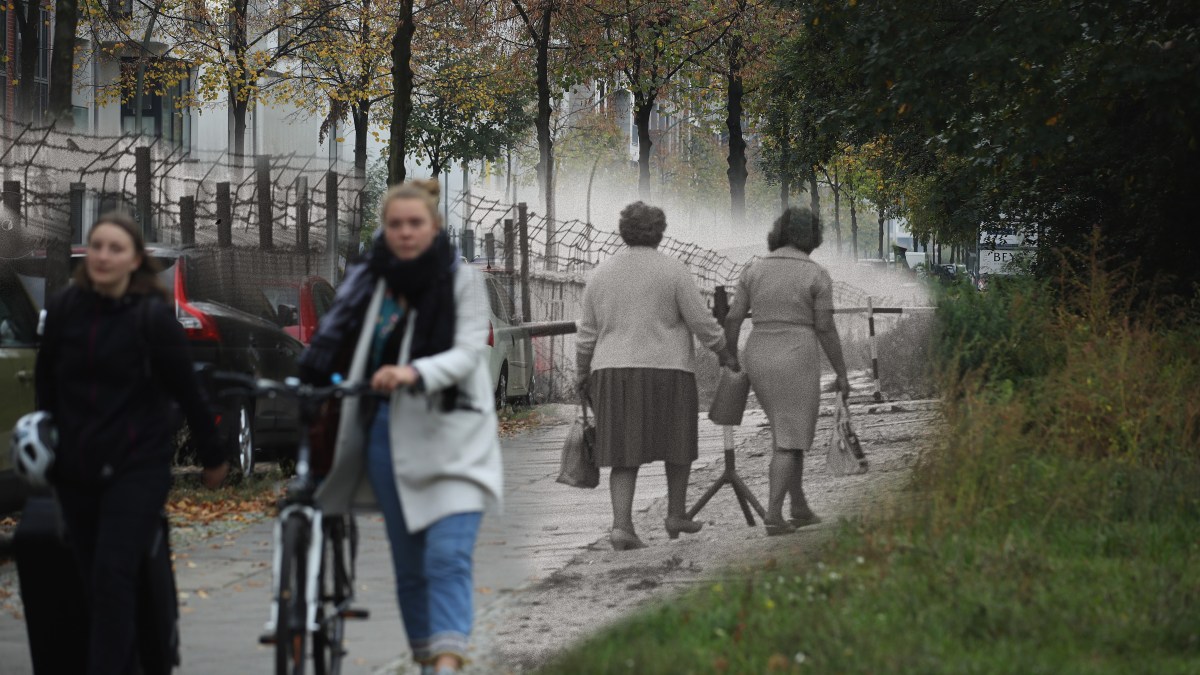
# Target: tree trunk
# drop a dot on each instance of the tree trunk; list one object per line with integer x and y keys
{"x": 881, "y": 256}
{"x": 814, "y": 195}
{"x": 28, "y": 26}
{"x": 240, "y": 108}
{"x": 853, "y": 222}
{"x": 643, "y": 106}
{"x": 545, "y": 167}
{"x": 402, "y": 88}
{"x": 361, "y": 113}
{"x": 62, "y": 63}
{"x": 837, "y": 209}
{"x": 737, "y": 143}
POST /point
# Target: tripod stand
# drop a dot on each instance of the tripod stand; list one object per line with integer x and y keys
{"x": 745, "y": 497}
{"x": 729, "y": 476}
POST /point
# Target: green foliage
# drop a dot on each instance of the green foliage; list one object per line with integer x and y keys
{"x": 1047, "y": 117}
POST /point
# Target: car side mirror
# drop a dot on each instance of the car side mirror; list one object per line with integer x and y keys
{"x": 288, "y": 315}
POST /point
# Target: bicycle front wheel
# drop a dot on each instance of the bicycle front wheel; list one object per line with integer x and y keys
{"x": 291, "y": 627}
{"x": 335, "y": 592}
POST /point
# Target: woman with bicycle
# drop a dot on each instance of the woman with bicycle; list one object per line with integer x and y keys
{"x": 413, "y": 321}
{"x": 111, "y": 356}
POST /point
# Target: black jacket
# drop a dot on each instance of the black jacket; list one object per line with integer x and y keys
{"x": 107, "y": 381}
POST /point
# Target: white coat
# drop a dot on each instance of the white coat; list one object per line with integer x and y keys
{"x": 445, "y": 462}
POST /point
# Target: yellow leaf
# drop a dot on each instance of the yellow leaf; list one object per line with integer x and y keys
{"x": 1052, "y": 121}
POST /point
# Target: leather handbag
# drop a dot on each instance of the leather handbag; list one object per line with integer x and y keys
{"x": 845, "y": 455}
{"x": 578, "y": 467}
{"x": 729, "y": 403}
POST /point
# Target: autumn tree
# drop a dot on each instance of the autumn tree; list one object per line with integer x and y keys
{"x": 345, "y": 71}
{"x": 646, "y": 43}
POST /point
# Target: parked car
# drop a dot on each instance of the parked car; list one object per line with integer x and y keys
{"x": 511, "y": 357}
{"x": 231, "y": 325}
{"x": 300, "y": 305}
{"x": 18, "y": 335}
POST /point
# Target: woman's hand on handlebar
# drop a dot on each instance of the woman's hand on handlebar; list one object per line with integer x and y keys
{"x": 212, "y": 478}
{"x": 390, "y": 378}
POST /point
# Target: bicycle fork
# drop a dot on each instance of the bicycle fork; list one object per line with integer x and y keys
{"x": 312, "y": 569}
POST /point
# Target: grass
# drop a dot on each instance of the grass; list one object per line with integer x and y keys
{"x": 1056, "y": 529}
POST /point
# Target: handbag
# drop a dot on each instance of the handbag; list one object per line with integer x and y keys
{"x": 729, "y": 403}
{"x": 578, "y": 467}
{"x": 845, "y": 455}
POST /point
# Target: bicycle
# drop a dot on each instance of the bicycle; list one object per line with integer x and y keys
{"x": 314, "y": 555}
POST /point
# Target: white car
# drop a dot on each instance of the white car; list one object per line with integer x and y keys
{"x": 511, "y": 358}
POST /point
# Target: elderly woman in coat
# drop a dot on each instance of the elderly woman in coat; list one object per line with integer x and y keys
{"x": 635, "y": 363}
{"x": 428, "y": 457}
{"x": 792, "y": 300}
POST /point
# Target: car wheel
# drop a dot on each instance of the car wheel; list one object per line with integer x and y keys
{"x": 242, "y": 461}
{"x": 502, "y": 389}
{"x": 530, "y": 397}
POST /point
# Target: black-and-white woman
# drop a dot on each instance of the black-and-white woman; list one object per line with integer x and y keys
{"x": 792, "y": 302}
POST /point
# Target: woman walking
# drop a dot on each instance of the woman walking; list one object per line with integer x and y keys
{"x": 635, "y": 363}
{"x": 429, "y": 457}
{"x": 792, "y": 300}
{"x": 112, "y": 356}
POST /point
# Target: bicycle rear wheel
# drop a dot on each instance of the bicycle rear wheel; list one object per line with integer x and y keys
{"x": 290, "y": 626}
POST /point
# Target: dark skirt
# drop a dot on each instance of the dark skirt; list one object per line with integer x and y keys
{"x": 645, "y": 415}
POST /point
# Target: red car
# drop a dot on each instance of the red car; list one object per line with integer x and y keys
{"x": 300, "y": 304}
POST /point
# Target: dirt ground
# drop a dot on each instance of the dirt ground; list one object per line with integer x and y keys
{"x": 601, "y": 586}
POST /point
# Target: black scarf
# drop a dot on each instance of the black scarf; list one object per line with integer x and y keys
{"x": 426, "y": 283}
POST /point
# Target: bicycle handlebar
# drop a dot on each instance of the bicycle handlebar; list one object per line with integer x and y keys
{"x": 294, "y": 388}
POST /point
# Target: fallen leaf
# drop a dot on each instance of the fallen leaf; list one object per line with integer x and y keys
{"x": 778, "y": 662}
{"x": 201, "y": 594}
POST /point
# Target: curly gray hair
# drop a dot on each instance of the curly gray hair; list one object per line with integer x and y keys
{"x": 642, "y": 224}
{"x": 797, "y": 227}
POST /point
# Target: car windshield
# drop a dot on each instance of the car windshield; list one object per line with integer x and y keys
{"x": 18, "y": 320}
{"x": 283, "y": 295}
{"x": 210, "y": 281}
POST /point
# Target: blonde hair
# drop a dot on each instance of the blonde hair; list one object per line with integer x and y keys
{"x": 425, "y": 190}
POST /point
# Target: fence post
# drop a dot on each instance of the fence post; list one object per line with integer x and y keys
{"x": 489, "y": 247}
{"x": 466, "y": 242}
{"x": 523, "y": 225}
{"x": 331, "y": 223}
{"x": 77, "y": 191}
{"x": 266, "y": 219}
{"x": 509, "y": 245}
{"x": 878, "y": 393}
{"x": 12, "y": 197}
{"x": 302, "y": 214}
{"x": 187, "y": 220}
{"x": 224, "y": 216}
{"x": 143, "y": 187}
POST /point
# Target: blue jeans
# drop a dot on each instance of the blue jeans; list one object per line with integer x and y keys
{"x": 433, "y": 567}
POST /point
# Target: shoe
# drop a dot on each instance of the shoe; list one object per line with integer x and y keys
{"x": 804, "y": 518}
{"x": 777, "y": 527}
{"x": 624, "y": 541}
{"x": 676, "y": 525}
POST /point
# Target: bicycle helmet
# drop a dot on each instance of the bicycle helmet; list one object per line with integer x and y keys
{"x": 34, "y": 440}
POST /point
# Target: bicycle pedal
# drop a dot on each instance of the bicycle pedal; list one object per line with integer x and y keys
{"x": 356, "y": 613}
{"x": 266, "y": 639}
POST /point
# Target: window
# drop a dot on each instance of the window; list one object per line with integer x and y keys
{"x": 164, "y": 111}
{"x": 120, "y": 7}
{"x": 18, "y": 320}
{"x": 323, "y": 295}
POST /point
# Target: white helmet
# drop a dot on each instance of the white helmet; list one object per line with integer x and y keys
{"x": 34, "y": 440}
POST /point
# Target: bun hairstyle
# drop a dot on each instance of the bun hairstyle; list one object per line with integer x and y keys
{"x": 796, "y": 227}
{"x": 427, "y": 190}
{"x": 144, "y": 279}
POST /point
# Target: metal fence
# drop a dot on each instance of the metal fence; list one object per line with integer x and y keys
{"x": 56, "y": 183}
{"x": 551, "y": 259}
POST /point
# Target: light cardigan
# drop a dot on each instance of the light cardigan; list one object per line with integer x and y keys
{"x": 444, "y": 462}
{"x": 640, "y": 310}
